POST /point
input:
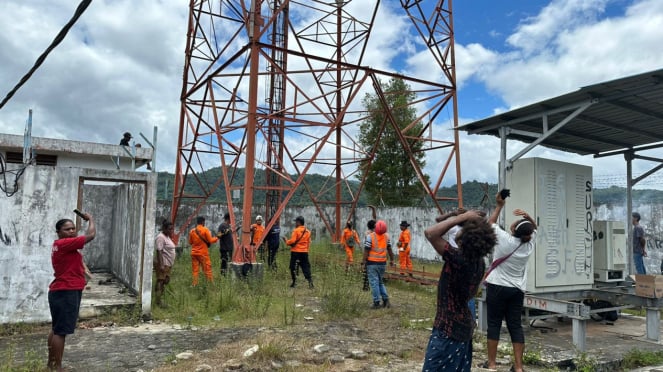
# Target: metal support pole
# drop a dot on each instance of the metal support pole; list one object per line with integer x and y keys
{"x": 503, "y": 168}
{"x": 482, "y": 313}
{"x": 27, "y": 140}
{"x": 154, "y": 149}
{"x": 630, "y": 268}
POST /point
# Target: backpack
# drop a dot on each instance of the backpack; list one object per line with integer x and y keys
{"x": 351, "y": 242}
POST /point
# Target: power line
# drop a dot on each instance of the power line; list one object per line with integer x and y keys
{"x": 79, "y": 11}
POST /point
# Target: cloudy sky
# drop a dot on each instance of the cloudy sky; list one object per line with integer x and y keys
{"x": 120, "y": 68}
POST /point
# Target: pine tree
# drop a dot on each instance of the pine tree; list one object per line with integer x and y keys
{"x": 391, "y": 180}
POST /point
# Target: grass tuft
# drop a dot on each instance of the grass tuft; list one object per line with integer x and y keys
{"x": 639, "y": 358}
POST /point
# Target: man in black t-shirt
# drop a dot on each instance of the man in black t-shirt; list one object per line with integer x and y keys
{"x": 273, "y": 241}
{"x": 225, "y": 242}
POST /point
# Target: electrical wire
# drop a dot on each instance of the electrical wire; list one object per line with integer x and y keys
{"x": 60, "y": 36}
{"x": 3, "y": 177}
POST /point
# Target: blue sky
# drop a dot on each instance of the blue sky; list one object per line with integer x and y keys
{"x": 491, "y": 23}
{"x": 121, "y": 67}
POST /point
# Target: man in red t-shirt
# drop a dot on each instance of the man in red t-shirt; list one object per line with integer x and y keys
{"x": 64, "y": 292}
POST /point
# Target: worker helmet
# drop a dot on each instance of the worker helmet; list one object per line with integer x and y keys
{"x": 380, "y": 227}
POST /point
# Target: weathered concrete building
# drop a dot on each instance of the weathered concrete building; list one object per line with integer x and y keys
{"x": 99, "y": 179}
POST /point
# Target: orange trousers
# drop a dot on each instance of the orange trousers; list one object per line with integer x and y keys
{"x": 348, "y": 255}
{"x": 405, "y": 261}
{"x": 201, "y": 260}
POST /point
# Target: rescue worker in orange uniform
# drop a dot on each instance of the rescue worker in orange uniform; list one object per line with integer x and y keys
{"x": 349, "y": 240}
{"x": 200, "y": 239}
{"x": 404, "y": 249}
{"x": 257, "y": 229}
{"x": 299, "y": 244}
{"x": 377, "y": 246}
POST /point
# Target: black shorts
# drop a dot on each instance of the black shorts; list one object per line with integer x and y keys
{"x": 64, "y": 307}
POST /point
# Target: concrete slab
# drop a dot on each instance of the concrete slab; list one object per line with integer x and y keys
{"x": 607, "y": 342}
{"x": 104, "y": 293}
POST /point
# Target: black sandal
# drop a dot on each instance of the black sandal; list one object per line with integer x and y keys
{"x": 484, "y": 365}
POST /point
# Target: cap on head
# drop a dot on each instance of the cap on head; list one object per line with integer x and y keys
{"x": 404, "y": 224}
{"x": 258, "y": 218}
{"x": 300, "y": 219}
{"x": 636, "y": 215}
{"x": 380, "y": 227}
{"x": 127, "y": 135}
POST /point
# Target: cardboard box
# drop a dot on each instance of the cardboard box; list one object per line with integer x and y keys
{"x": 649, "y": 286}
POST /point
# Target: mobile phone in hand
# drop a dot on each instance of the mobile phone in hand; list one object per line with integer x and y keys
{"x": 80, "y": 214}
{"x": 505, "y": 193}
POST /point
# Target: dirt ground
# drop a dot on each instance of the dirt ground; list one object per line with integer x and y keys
{"x": 384, "y": 342}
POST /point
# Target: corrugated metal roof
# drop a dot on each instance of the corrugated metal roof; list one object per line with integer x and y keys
{"x": 611, "y": 116}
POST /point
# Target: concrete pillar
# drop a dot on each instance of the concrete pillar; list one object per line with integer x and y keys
{"x": 579, "y": 333}
{"x": 653, "y": 324}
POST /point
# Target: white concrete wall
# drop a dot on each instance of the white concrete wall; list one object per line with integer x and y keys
{"x": 27, "y": 227}
{"x": 421, "y": 218}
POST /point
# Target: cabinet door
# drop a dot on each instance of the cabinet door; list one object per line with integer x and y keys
{"x": 563, "y": 255}
{"x": 617, "y": 245}
{"x": 550, "y": 254}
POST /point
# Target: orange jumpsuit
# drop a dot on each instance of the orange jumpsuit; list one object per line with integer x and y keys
{"x": 404, "y": 251}
{"x": 347, "y": 234}
{"x": 200, "y": 252}
{"x": 258, "y": 230}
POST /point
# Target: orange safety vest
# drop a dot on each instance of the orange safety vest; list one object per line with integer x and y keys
{"x": 378, "y": 252}
{"x": 300, "y": 240}
{"x": 257, "y": 232}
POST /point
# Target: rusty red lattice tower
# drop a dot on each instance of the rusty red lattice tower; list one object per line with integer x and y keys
{"x": 276, "y": 85}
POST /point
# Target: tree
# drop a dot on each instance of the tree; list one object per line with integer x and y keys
{"x": 390, "y": 177}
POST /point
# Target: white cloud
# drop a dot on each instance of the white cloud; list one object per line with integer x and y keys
{"x": 120, "y": 68}
{"x": 565, "y": 47}
{"x": 539, "y": 31}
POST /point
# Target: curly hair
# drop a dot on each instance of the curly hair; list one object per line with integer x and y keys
{"x": 476, "y": 239}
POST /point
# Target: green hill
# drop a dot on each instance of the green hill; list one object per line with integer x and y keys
{"x": 475, "y": 194}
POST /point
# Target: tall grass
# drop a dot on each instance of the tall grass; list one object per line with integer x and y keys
{"x": 229, "y": 301}
{"x": 32, "y": 361}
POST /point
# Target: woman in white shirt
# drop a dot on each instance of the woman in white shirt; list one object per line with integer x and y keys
{"x": 506, "y": 283}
